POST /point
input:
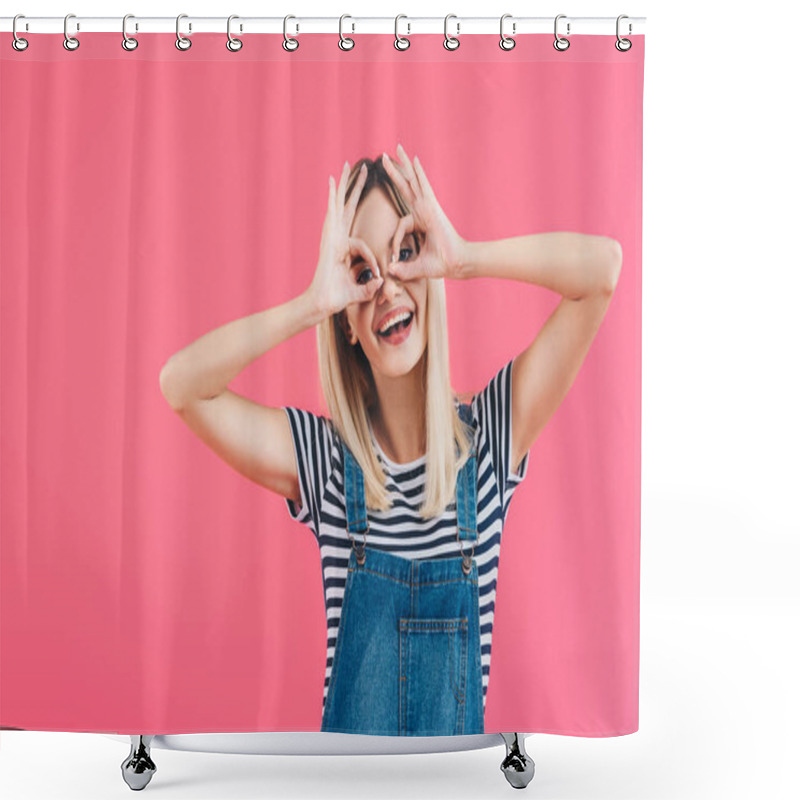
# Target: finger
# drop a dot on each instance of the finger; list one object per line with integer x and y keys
{"x": 404, "y": 226}
{"x": 412, "y": 177}
{"x": 352, "y": 202}
{"x": 331, "y": 195}
{"x": 342, "y": 185}
{"x": 359, "y": 246}
{"x": 423, "y": 179}
{"x": 403, "y": 186}
{"x": 370, "y": 288}
{"x": 404, "y": 270}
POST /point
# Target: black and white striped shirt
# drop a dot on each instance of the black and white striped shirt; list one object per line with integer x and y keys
{"x": 400, "y": 530}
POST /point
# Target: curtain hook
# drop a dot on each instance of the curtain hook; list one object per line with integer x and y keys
{"x": 400, "y": 42}
{"x": 290, "y": 43}
{"x": 506, "y": 42}
{"x": 182, "y": 43}
{"x": 451, "y": 42}
{"x": 17, "y": 42}
{"x": 623, "y": 45}
{"x": 70, "y": 42}
{"x": 233, "y": 44}
{"x": 560, "y": 42}
{"x": 128, "y": 42}
{"x": 345, "y": 42}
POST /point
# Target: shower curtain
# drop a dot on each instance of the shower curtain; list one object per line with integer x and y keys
{"x": 200, "y": 411}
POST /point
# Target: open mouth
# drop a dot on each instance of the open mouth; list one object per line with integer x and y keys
{"x": 397, "y": 327}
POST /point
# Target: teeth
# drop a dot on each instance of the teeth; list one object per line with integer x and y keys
{"x": 394, "y": 320}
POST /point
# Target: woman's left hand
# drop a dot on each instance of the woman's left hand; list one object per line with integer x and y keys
{"x": 442, "y": 250}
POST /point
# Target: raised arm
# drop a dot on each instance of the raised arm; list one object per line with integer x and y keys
{"x": 255, "y": 439}
{"x": 584, "y": 269}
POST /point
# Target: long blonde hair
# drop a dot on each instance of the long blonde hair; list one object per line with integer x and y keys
{"x": 349, "y": 387}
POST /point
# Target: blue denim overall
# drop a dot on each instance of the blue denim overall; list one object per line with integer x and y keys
{"x": 407, "y": 660}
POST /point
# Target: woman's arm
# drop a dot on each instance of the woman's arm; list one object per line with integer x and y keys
{"x": 254, "y": 439}
{"x": 203, "y": 369}
{"x": 584, "y": 269}
{"x": 581, "y": 267}
{"x": 572, "y": 264}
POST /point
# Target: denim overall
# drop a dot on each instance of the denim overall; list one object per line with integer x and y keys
{"x": 408, "y": 658}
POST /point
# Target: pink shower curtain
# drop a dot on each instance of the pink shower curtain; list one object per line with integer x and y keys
{"x": 150, "y": 197}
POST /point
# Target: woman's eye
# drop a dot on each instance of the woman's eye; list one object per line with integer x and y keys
{"x": 409, "y": 253}
{"x": 364, "y": 272}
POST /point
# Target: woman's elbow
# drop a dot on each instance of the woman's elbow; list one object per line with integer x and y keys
{"x": 168, "y": 385}
{"x": 613, "y": 264}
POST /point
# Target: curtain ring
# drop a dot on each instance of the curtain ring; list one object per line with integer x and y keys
{"x": 128, "y": 42}
{"x": 560, "y": 42}
{"x": 233, "y": 44}
{"x": 506, "y": 42}
{"x": 290, "y": 43}
{"x": 17, "y": 42}
{"x": 182, "y": 43}
{"x": 451, "y": 42}
{"x": 623, "y": 45}
{"x": 70, "y": 42}
{"x": 400, "y": 42}
{"x": 345, "y": 42}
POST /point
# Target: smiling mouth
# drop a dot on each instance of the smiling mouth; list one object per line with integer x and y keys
{"x": 398, "y": 326}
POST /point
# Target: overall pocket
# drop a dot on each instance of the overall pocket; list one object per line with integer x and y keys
{"x": 432, "y": 676}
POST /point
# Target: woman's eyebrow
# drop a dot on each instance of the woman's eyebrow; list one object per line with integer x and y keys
{"x": 408, "y": 233}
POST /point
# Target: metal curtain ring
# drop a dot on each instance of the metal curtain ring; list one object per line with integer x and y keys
{"x": 17, "y": 42}
{"x": 451, "y": 42}
{"x": 623, "y": 45}
{"x": 506, "y": 42}
{"x": 345, "y": 42}
{"x": 400, "y": 42}
{"x": 233, "y": 44}
{"x": 70, "y": 42}
{"x": 560, "y": 42}
{"x": 128, "y": 42}
{"x": 182, "y": 43}
{"x": 289, "y": 42}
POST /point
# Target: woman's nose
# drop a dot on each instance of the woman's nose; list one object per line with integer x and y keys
{"x": 391, "y": 283}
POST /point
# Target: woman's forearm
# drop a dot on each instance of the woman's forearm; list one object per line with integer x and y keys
{"x": 572, "y": 264}
{"x": 204, "y": 368}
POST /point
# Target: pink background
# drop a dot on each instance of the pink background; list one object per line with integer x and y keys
{"x": 146, "y": 586}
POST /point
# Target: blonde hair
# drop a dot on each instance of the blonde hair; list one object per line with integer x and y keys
{"x": 350, "y": 393}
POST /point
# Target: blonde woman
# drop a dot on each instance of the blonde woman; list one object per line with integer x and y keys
{"x": 389, "y": 484}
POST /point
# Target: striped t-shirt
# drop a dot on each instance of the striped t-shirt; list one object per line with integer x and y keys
{"x": 400, "y": 530}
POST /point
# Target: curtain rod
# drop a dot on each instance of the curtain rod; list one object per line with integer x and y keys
{"x": 407, "y": 25}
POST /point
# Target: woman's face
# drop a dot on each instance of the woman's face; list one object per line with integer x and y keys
{"x": 398, "y": 352}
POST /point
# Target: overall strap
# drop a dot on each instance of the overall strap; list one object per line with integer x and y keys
{"x": 355, "y": 503}
{"x": 467, "y": 493}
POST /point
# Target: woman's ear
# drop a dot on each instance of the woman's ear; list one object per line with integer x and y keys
{"x": 348, "y": 332}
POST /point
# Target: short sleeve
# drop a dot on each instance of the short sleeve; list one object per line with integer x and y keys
{"x": 491, "y": 408}
{"x": 313, "y": 444}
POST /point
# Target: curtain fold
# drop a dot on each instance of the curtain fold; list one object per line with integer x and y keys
{"x": 150, "y": 197}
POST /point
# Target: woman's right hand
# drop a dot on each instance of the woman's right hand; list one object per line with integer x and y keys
{"x": 336, "y": 284}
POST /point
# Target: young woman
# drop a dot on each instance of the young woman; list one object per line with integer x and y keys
{"x": 390, "y": 483}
